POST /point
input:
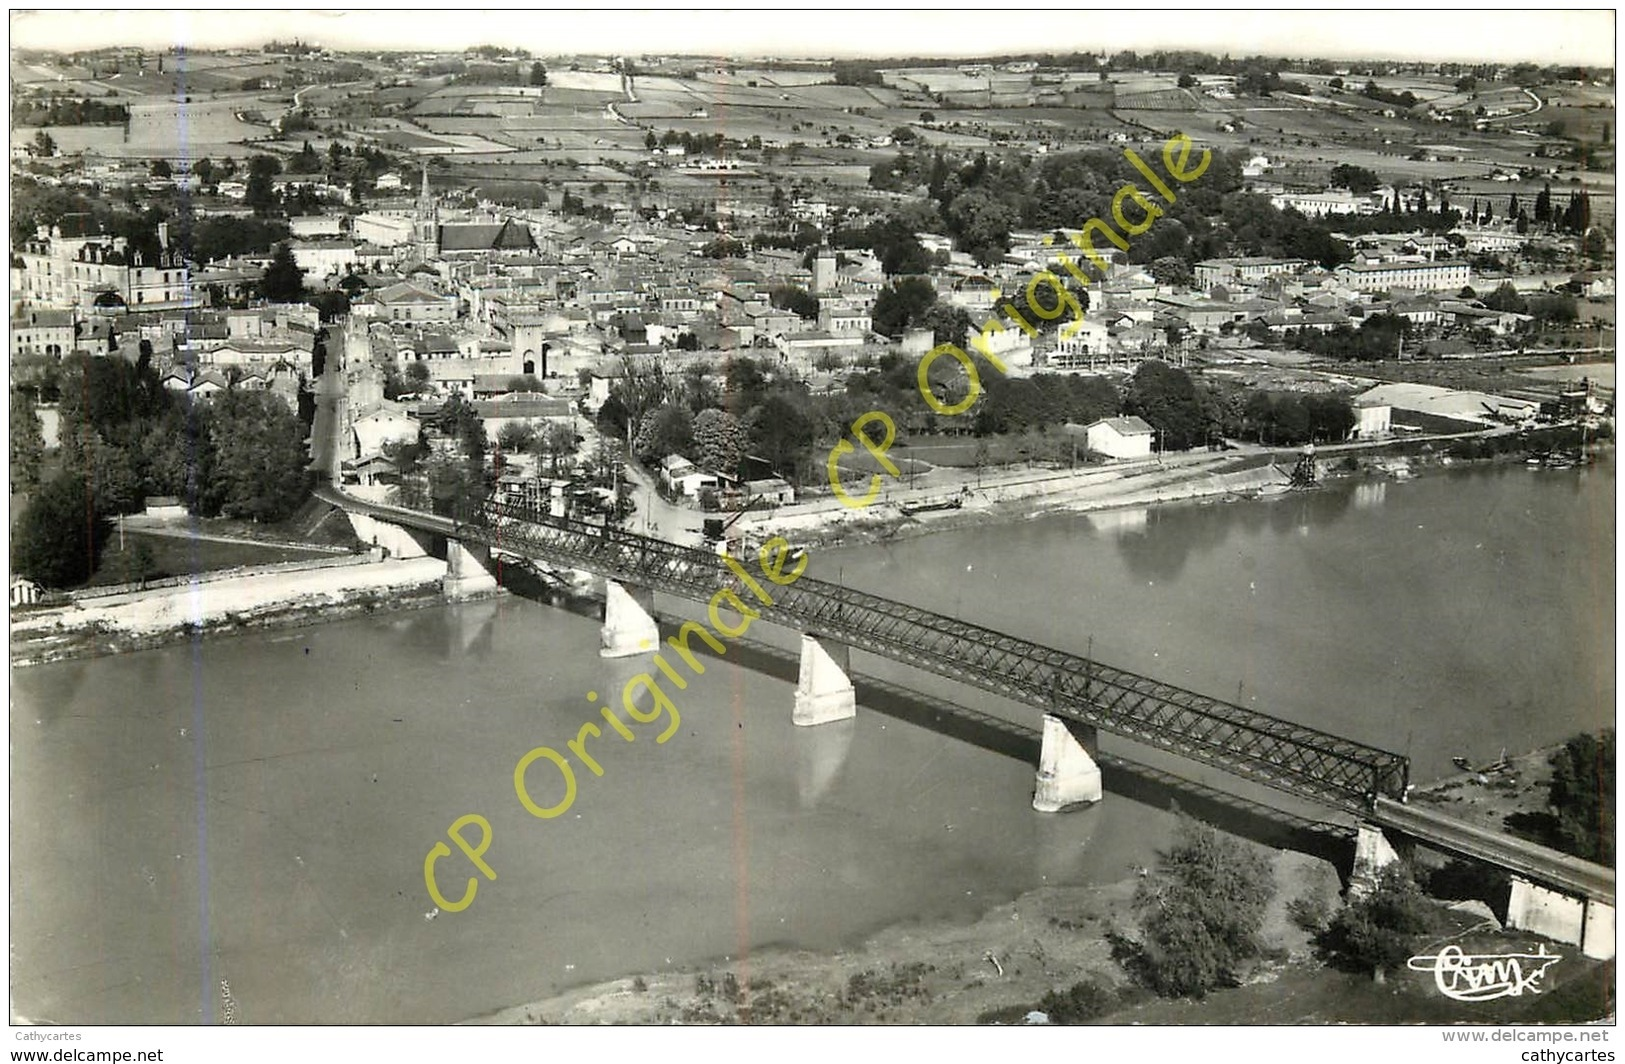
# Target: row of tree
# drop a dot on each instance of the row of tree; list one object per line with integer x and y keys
{"x": 124, "y": 437}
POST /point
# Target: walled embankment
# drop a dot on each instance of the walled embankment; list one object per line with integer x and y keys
{"x": 282, "y": 595}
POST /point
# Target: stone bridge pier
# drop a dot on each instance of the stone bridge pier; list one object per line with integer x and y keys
{"x": 824, "y": 691}
{"x": 629, "y": 625}
{"x": 1067, "y": 773}
{"x": 466, "y": 576}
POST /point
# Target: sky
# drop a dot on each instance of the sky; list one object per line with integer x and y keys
{"x": 1582, "y": 37}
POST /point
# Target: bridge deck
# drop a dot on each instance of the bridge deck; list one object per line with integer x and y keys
{"x": 1531, "y": 860}
{"x": 1291, "y": 757}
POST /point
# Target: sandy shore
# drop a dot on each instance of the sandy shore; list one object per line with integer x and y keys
{"x": 1000, "y": 966}
{"x": 1024, "y": 494}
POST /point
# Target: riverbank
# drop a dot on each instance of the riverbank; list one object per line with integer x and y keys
{"x": 996, "y": 967}
{"x": 272, "y": 597}
{"x": 1201, "y": 477}
{"x": 1054, "y": 948}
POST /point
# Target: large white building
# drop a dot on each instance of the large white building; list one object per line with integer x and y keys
{"x": 96, "y": 271}
{"x": 1210, "y": 272}
{"x": 1321, "y": 204}
{"x": 1447, "y": 276}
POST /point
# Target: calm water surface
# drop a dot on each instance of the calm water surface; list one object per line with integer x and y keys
{"x": 258, "y": 809}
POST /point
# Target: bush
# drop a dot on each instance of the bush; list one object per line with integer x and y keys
{"x": 1081, "y": 1003}
{"x": 1381, "y": 930}
{"x": 1201, "y": 910}
{"x": 1311, "y": 912}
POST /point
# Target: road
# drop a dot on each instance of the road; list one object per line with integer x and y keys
{"x": 656, "y": 517}
{"x": 326, "y": 449}
{"x": 1525, "y": 858}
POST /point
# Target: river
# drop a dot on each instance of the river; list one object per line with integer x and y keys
{"x": 258, "y": 808}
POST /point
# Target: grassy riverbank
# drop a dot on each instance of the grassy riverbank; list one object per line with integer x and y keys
{"x": 1056, "y": 950}
{"x": 1053, "y": 950}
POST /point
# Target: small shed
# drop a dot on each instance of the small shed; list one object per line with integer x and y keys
{"x": 1120, "y": 437}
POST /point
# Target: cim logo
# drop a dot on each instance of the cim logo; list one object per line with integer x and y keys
{"x": 1487, "y": 976}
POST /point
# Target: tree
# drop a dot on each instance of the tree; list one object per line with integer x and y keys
{"x": 161, "y": 168}
{"x": 283, "y": 280}
{"x": 138, "y": 563}
{"x": 43, "y": 145}
{"x": 1581, "y": 793}
{"x": 331, "y": 305}
{"x": 58, "y": 537}
{"x": 260, "y": 460}
{"x": 1166, "y": 398}
{"x": 558, "y": 441}
{"x": 781, "y": 432}
{"x": 305, "y": 161}
{"x": 719, "y": 441}
{"x": 417, "y": 374}
{"x": 261, "y": 193}
{"x": 663, "y": 431}
{"x": 538, "y": 74}
{"x": 1357, "y": 179}
{"x": 901, "y": 304}
{"x": 1172, "y": 270}
{"x": 115, "y": 485}
{"x": 27, "y": 442}
{"x": 516, "y": 436}
{"x": 1506, "y": 298}
{"x": 798, "y": 300}
{"x": 1186, "y": 81}
{"x": 1201, "y": 910}
{"x": 1381, "y": 930}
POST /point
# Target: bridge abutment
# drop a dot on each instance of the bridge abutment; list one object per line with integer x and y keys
{"x": 1067, "y": 773}
{"x": 1597, "y": 938}
{"x": 400, "y": 542}
{"x": 629, "y": 625}
{"x": 824, "y": 691}
{"x": 1562, "y": 918}
{"x": 465, "y": 576}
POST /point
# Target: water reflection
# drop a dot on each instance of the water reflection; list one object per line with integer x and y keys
{"x": 1119, "y": 522}
{"x": 1370, "y": 493}
{"x": 820, "y": 753}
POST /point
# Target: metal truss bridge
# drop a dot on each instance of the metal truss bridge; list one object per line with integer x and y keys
{"x": 1290, "y": 757}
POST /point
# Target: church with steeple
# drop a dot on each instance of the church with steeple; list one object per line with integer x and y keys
{"x": 428, "y": 221}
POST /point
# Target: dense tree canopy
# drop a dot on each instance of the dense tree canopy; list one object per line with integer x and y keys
{"x": 59, "y": 535}
{"x": 902, "y": 305}
{"x": 1582, "y": 796}
{"x": 1200, "y": 910}
{"x": 283, "y": 280}
{"x": 27, "y": 442}
{"x": 1166, "y": 397}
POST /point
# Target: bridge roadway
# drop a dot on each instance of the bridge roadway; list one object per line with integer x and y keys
{"x": 1441, "y": 831}
{"x": 1299, "y": 760}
